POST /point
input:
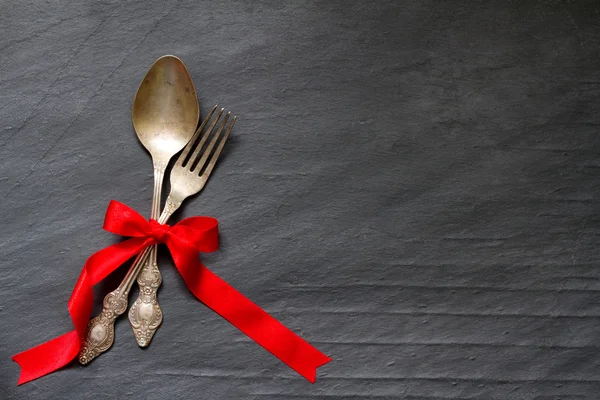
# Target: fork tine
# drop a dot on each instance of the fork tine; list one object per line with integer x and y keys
{"x": 209, "y": 148}
{"x": 190, "y": 163}
{"x": 215, "y": 156}
{"x": 190, "y": 144}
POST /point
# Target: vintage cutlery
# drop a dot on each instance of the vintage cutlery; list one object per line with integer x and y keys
{"x": 165, "y": 114}
{"x": 188, "y": 177}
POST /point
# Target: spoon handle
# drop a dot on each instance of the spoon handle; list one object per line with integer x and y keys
{"x": 145, "y": 315}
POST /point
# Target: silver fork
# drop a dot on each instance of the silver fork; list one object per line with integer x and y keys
{"x": 188, "y": 177}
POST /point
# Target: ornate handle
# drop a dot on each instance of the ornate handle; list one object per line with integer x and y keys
{"x": 100, "y": 333}
{"x": 145, "y": 314}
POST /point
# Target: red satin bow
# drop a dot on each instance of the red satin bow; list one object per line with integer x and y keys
{"x": 184, "y": 240}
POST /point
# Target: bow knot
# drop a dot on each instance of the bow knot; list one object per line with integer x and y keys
{"x": 158, "y": 231}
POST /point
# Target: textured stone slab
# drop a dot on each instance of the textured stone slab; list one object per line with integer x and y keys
{"x": 412, "y": 186}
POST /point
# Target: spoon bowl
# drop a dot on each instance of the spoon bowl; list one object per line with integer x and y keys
{"x": 165, "y": 111}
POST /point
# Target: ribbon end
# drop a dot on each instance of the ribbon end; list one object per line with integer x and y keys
{"x": 310, "y": 373}
{"x": 23, "y": 376}
{"x": 47, "y": 357}
{"x": 325, "y": 360}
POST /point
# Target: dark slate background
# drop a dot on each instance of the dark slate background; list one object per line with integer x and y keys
{"x": 411, "y": 186}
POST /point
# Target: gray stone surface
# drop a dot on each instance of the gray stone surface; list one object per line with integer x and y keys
{"x": 411, "y": 186}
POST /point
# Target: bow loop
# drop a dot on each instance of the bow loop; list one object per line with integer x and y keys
{"x": 123, "y": 220}
{"x": 201, "y": 233}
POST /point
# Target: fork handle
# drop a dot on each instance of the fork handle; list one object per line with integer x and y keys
{"x": 145, "y": 315}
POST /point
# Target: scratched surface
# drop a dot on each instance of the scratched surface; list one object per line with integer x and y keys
{"x": 411, "y": 186}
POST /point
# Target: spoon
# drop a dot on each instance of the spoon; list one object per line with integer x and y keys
{"x": 165, "y": 118}
{"x": 165, "y": 115}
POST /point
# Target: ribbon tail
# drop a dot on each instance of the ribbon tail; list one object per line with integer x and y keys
{"x": 307, "y": 360}
{"x": 58, "y": 352}
{"x": 47, "y": 357}
{"x": 256, "y": 323}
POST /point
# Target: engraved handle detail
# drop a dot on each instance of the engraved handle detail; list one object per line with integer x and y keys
{"x": 100, "y": 334}
{"x": 145, "y": 314}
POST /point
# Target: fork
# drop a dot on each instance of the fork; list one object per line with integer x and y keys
{"x": 188, "y": 177}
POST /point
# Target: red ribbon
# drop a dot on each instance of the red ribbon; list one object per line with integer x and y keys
{"x": 184, "y": 240}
